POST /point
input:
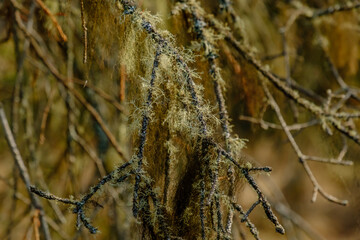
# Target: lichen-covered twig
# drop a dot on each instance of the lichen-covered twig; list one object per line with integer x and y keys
{"x": 209, "y": 51}
{"x": 79, "y": 204}
{"x": 50, "y": 196}
{"x": 261, "y": 197}
{"x": 249, "y": 224}
{"x": 129, "y": 9}
{"x": 264, "y": 202}
{"x": 143, "y": 131}
{"x": 211, "y": 55}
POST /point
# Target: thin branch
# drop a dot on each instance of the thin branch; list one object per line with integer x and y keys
{"x": 202, "y": 207}
{"x": 220, "y": 228}
{"x": 79, "y": 204}
{"x": 284, "y": 88}
{"x": 20, "y": 61}
{"x": 327, "y": 160}
{"x": 143, "y": 131}
{"x": 102, "y": 94}
{"x": 122, "y": 83}
{"x": 287, "y": 65}
{"x": 249, "y": 224}
{"x": 334, "y": 9}
{"x": 282, "y": 208}
{"x": 85, "y": 39}
{"x": 266, "y": 125}
{"x": 23, "y": 171}
{"x": 272, "y": 57}
{"x": 246, "y": 215}
{"x": 297, "y": 220}
{"x": 301, "y": 156}
{"x": 214, "y": 181}
{"x": 53, "y": 19}
{"x": 264, "y": 202}
{"x": 50, "y": 196}
{"x": 89, "y": 150}
{"x": 45, "y": 117}
{"x": 166, "y": 178}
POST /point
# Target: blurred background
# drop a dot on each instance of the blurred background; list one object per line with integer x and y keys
{"x": 66, "y": 151}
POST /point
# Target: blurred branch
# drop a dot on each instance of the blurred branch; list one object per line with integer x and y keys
{"x": 85, "y": 39}
{"x": 295, "y": 218}
{"x": 20, "y": 61}
{"x": 23, "y": 171}
{"x": 102, "y": 94}
{"x": 266, "y": 125}
{"x": 287, "y": 66}
{"x": 282, "y": 208}
{"x": 336, "y": 8}
{"x": 46, "y": 60}
{"x": 290, "y": 93}
{"x": 350, "y": 91}
{"x": 57, "y": 228}
{"x": 89, "y": 150}
{"x": 306, "y": 92}
{"x": 45, "y": 117}
{"x": 53, "y": 19}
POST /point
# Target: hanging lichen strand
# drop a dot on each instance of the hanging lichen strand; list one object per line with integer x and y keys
{"x": 177, "y": 148}
{"x": 180, "y": 110}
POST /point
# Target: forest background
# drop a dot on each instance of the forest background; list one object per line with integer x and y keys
{"x": 200, "y": 115}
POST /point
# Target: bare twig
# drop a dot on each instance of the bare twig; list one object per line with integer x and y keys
{"x": 36, "y": 224}
{"x": 302, "y": 158}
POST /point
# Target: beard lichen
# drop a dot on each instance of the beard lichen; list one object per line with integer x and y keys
{"x": 173, "y": 121}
